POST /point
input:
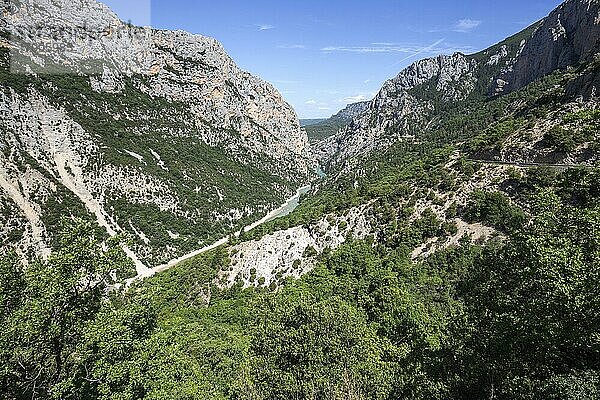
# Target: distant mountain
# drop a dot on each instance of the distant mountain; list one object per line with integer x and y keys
{"x": 411, "y": 103}
{"x": 308, "y": 122}
{"x": 351, "y": 111}
{"x": 153, "y": 133}
{"x": 322, "y": 129}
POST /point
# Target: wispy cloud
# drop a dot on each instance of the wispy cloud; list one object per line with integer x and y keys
{"x": 355, "y": 99}
{"x": 317, "y": 105}
{"x": 422, "y": 50}
{"x": 291, "y": 46}
{"x": 374, "y": 48}
{"x": 264, "y": 27}
{"x": 411, "y": 49}
{"x": 466, "y": 25}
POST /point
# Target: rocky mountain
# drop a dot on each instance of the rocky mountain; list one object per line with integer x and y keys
{"x": 397, "y": 109}
{"x": 153, "y": 133}
{"x": 412, "y": 101}
{"x": 569, "y": 35}
{"x": 328, "y": 127}
{"x": 433, "y": 139}
{"x": 351, "y": 111}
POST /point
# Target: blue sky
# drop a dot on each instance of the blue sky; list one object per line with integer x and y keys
{"x": 324, "y": 54}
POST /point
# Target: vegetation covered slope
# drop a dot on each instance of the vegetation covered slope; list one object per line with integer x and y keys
{"x": 173, "y": 144}
{"x": 416, "y": 309}
{"x": 513, "y": 319}
{"x": 323, "y": 129}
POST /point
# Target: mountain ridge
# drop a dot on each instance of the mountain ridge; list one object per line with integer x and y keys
{"x": 136, "y": 127}
{"x": 438, "y": 118}
{"x": 330, "y": 126}
{"x": 402, "y": 105}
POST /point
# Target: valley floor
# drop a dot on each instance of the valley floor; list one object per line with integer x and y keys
{"x": 285, "y": 209}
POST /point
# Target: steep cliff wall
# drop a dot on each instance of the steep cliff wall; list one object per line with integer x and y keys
{"x": 154, "y": 133}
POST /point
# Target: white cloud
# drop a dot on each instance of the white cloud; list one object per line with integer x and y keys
{"x": 466, "y": 25}
{"x": 368, "y": 49}
{"x": 311, "y": 102}
{"x": 426, "y": 49}
{"x": 367, "y": 81}
{"x": 356, "y": 99}
{"x": 410, "y": 49}
{"x": 264, "y": 27}
{"x": 324, "y": 108}
{"x": 291, "y": 46}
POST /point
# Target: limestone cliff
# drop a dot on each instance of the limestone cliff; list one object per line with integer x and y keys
{"x": 569, "y": 35}
{"x": 398, "y": 107}
{"x": 412, "y": 102}
{"x": 351, "y": 111}
{"x": 154, "y": 133}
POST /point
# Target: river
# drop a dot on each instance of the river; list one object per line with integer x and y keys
{"x": 288, "y": 206}
{"x": 285, "y": 209}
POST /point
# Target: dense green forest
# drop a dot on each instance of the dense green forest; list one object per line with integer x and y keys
{"x": 514, "y": 318}
{"x": 322, "y": 129}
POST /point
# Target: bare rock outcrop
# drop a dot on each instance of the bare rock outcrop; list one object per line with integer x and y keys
{"x": 398, "y": 106}
{"x": 569, "y": 35}
{"x": 147, "y": 131}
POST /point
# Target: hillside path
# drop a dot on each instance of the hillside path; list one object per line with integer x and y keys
{"x": 281, "y": 211}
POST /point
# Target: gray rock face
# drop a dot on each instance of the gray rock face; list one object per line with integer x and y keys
{"x": 351, "y": 111}
{"x": 570, "y": 34}
{"x": 390, "y": 115}
{"x": 406, "y": 104}
{"x": 85, "y": 37}
{"x": 153, "y": 133}
{"x": 448, "y": 72}
{"x": 284, "y": 253}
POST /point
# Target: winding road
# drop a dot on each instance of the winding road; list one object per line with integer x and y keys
{"x": 285, "y": 209}
{"x": 532, "y": 164}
